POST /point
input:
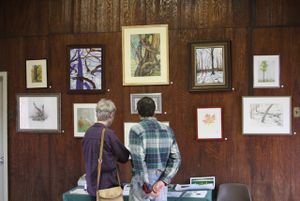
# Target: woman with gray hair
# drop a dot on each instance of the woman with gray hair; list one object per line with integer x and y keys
{"x": 113, "y": 150}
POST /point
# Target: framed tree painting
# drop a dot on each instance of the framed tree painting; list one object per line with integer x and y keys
{"x": 266, "y": 115}
{"x": 39, "y": 113}
{"x": 86, "y": 68}
{"x": 145, "y": 55}
{"x": 36, "y": 73}
{"x": 266, "y": 71}
{"x": 210, "y": 68}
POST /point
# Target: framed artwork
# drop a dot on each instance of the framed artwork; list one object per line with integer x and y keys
{"x": 84, "y": 115}
{"x": 39, "y": 113}
{"x": 36, "y": 73}
{"x": 134, "y": 98}
{"x": 127, "y": 127}
{"x": 210, "y": 68}
{"x": 266, "y": 71}
{"x": 145, "y": 55}
{"x": 209, "y": 123}
{"x": 86, "y": 68}
{"x": 265, "y": 115}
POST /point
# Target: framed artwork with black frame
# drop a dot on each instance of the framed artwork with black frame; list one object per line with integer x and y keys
{"x": 86, "y": 68}
{"x": 36, "y": 73}
{"x": 39, "y": 113}
{"x": 210, "y": 66}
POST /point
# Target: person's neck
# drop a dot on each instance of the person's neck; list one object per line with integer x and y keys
{"x": 105, "y": 123}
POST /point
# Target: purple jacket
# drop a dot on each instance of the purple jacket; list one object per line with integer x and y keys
{"x": 113, "y": 150}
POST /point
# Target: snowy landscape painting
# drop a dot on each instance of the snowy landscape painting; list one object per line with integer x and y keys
{"x": 210, "y": 66}
{"x": 266, "y": 115}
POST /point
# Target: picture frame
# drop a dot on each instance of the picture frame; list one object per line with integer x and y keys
{"x": 266, "y": 115}
{"x": 135, "y": 97}
{"x": 210, "y": 66}
{"x": 86, "y": 69}
{"x": 128, "y": 126}
{"x": 84, "y": 116}
{"x": 145, "y": 55}
{"x": 209, "y": 123}
{"x": 266, "y": 71}
{"x": 39, "y": 113}
{"x": 36, "y": 73}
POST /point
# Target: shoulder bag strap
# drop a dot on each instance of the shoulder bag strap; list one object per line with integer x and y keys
{"x": 100, "y": 158}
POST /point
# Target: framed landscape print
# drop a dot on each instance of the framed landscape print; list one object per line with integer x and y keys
{"x": 209, "y": 123}
{"x": 266, "y": 71}
{"x": 36, "y": 73}
{"x": 265, "y": 115}
{"x": 134, "y": 98}
{"x": 210, "y": 68}
{"x": 145, "y": 55}
{"x": 84, "y": 115}
{"x": 39, "y": 113}
{"x": 86, "y": 68}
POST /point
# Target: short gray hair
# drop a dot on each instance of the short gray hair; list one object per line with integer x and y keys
{"x": 104, "y": 108}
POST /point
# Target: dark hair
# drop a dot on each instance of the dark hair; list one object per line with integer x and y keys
{"x": 146, "y": 107}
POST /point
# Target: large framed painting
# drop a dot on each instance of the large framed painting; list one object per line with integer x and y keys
{"x": 266, "y": 115}
{"x": 36, "y": 73}
{"x": 84, "y": 115}
{"x": 86, "y": 68}
{"x": 145, "y": 55}
{"x": 40, "y": 113}
{"x": 266, "y": 71}
{"x": 210, "y": 68}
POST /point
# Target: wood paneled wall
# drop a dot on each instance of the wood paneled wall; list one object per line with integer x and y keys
{"x": 43, "y": 166}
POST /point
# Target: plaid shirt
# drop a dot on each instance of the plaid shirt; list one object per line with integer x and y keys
{"x": 153, "y": 146}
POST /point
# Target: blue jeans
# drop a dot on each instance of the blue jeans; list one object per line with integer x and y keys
{"x": 136, "y": 191}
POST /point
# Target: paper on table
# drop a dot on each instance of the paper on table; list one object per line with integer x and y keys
{"x": 79, "y": 191}
{"x": 183, "y": 187}
{"x": 195, "y": 194}
{"x": 174, "y": 194}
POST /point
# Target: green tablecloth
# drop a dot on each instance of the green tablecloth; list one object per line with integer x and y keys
{"x": 71, "y": 196}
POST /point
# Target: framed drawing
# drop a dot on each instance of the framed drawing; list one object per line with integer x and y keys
{"x": 127, "y": 127}
{"x": 266, "y": 71}
{"x": 39, "y": 113}
{"x": 266, "y": 115}
{"x": 84, "y": 115}
{"x": 210, "y": 68}
{"x": 134, "y": 98}
{"x": 209, "y": 123}
{"x": 36, "y": 73}
{"x": 86, "y": 68}
{"x": 145, "y": 55}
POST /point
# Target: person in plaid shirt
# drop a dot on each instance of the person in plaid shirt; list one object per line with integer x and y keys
{"x": 154, "y": 153}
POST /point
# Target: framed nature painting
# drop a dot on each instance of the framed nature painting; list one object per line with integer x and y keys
{"x": 36, "y": 73}
{"x": 265, "y": 115}
{"x": 40, "y": 113}
{"x": 210, "y": 68}
{"x": 145, "y": 55}
{"x": 134, "y": 98}
{"x": 84, "y": 115}
{"x": 209, "y": 123}
{"x": 266, "y": 71}
{"x": 86, "y": 68}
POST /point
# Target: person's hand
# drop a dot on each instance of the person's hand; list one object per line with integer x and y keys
{"x": 158, "y": 186}
{"x": 154, "y": 194}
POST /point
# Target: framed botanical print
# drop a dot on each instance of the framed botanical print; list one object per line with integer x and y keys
{"x": 36, "y": 73}
{"x": 145, "y": 55}
{"x": 86, "y": 68}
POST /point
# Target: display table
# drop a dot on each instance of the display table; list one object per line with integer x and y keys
{"x": 78, "y": 194}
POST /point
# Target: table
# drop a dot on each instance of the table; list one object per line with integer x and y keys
{"x": 72, "y": 195}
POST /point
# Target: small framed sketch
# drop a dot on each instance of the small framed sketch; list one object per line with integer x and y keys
{"x": 210, "y": 68}
{"x": 145, "y": 55}
{"x": 39, "y": 113}
{"x": 265, "y": 115}
{"x": 266, "y": 71}
{"x": 84, "y": 115}
{"x": 134, "y": 98}
{"x": 36, "y": 73}
{"x": 127, "y": 127}
{"x": 209, "y": 123}
{"x": 86, "y": 68}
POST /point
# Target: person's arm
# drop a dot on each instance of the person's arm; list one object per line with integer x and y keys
{"x": 120, "y": 151}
